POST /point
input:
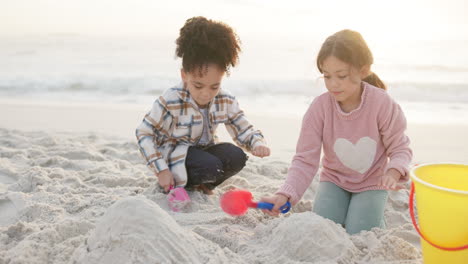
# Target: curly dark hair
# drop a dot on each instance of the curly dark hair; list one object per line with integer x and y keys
{"x": 203, "y": 41}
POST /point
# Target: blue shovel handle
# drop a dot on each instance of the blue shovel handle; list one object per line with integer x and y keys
{"x": 284, "y": 209}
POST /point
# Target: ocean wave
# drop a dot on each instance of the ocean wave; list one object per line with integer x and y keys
{"x": 427, "y": 68}
{"x": 115, "y": 88}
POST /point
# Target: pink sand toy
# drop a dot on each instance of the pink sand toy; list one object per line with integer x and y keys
{"x": 177, "y": 198}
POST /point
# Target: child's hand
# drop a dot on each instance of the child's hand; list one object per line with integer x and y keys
{"x": 261, "y": 151}
{"x": 278, "y": 200}
{"x": 165, "y": 179}
{"x": 390, "y": 180}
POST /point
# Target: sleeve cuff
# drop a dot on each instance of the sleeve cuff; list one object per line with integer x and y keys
{"x": 290, "y": 192}
{"x": 402, "y": 170}
{"x": 158, "y": 165}
{"x": 259, "y": 142}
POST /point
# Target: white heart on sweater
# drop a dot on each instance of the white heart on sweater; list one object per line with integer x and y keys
{"x": 359, "y": 156}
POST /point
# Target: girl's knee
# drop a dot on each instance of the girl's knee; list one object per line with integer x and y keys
{"x": 207, "y": 171}
{"x": 356, "y": 226}
{"x": 233, "y": 157}
{"x": 213, "y": 167}
{"x": 366, "y": 211}
{"x": 332, "y": 202}
{"x": 238, "y": 158}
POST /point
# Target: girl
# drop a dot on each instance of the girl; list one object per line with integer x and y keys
{"x": 177, "y": 137}
{"x": 361, "y": 131}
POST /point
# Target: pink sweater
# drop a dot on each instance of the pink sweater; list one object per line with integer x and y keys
{"x": 358, "y": 147}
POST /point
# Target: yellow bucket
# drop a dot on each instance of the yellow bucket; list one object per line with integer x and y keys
{"x": 442, "y": 202}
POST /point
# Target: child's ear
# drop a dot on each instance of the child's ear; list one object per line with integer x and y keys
{"x": 183, "y": 75}
{"x": 365, "y": 71}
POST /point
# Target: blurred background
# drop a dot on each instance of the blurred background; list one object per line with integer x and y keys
{"x": 122, "y": 52}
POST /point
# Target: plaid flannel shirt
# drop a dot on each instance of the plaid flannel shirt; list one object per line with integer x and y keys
{"x": 175, "y": 123}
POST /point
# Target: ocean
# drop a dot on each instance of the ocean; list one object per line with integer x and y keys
{"x": 274, "y": 77}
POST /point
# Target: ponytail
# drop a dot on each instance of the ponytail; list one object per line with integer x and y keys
{"x": 374, "y": 80}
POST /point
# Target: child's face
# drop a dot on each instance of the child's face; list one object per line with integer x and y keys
{"x": 342, "y": 80}
{"x": 203, "y": 88}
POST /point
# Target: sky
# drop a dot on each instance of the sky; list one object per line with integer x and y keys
{"x": 126, "y": 43}
{"x": 420, "y": 33}
{"x": 377, "y": 19}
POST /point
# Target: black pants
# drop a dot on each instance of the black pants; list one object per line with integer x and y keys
{"x": 213, "y": 165}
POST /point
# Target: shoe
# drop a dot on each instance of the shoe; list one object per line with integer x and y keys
{"x": 205, "y": 189}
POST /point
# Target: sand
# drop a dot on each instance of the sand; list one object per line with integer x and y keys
{"x": 74, "y": 189}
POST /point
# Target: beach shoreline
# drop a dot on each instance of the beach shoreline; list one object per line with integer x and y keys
{"x": 71, "y": 176}
{"x": 431, "y": 142}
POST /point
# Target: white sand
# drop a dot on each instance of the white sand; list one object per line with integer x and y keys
{"x": 85, "y": 196}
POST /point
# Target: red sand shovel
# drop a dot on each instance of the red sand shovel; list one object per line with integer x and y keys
{"x": 236, "y": 203}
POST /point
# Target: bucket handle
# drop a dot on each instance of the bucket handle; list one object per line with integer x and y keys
{"x": 411, "y": 209}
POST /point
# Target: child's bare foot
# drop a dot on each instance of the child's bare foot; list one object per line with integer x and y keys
{"x": 204, "y": 189}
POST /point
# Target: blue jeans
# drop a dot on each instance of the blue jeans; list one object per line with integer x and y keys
{"x": 214, "y": 164}
{"x": 354, "y": 211}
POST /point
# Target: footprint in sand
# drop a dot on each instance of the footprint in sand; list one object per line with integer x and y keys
{"x": 8, "y": 212}
{"x": 5, "y": 180}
